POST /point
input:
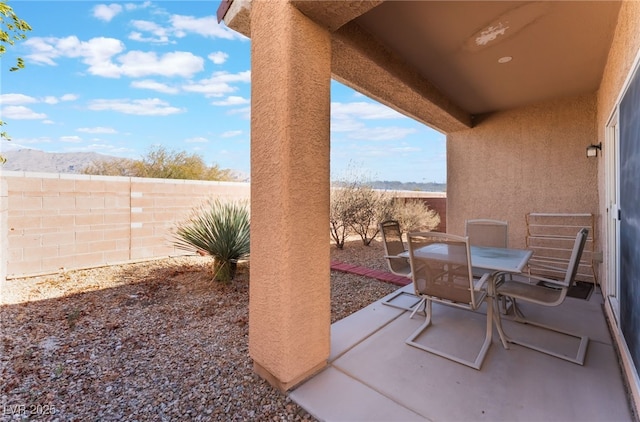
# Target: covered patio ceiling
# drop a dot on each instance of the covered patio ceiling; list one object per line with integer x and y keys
{"x": 465, "y": 58}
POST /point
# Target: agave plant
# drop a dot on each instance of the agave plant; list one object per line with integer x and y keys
{"x": 219, "y": 229}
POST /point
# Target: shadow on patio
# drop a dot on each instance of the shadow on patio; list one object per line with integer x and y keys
{"x": 373, "y": 375}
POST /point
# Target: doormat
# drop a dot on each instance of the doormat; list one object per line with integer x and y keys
{"x": 579, "y": 290}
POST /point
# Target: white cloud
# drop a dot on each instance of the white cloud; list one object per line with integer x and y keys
{"x": 13, "y": 99}
{"x": 178, "y": 63}
{"x": 98, "y": 54}
{"x": 155, "y": 86}
{"x": 24, "y": 143}
{"x": 180, "y": 26}
{"x": 209, "y": 89}
{"x": 351, "y": 117}
{"x": 48, "y": 122}
{"x": 71, "y": 139}
{"x": 21, "y": 113}
{"x": 404, "y": 149}
{"x": 102, "y": 148}
{"x": 160, "y": 34}
{"x": 345, "y": 125}
{"x": 219, "y": 83}
{"x": 363, "y": 110}
{"x": 219, "y": 57}
{"x": 98, "y": 129}
{"x": 147, "y": 107}
{"x": 198, "y": 140}
{"x": 69, "y": 97}
{"x": 231, "y": 133}
{"x": 231, "y": 101}
{"x": 244, "y": 112}
{"x": 106, "y": 12}
{"x": 231, "y": 77}
{"x": 134, "y": 6}
{"x": 390, "y": 133}
{"x": 206, "y": 27}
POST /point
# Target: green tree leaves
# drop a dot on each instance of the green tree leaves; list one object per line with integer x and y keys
{"x": 12, "y": 29}
{"x": 162, "y": 164}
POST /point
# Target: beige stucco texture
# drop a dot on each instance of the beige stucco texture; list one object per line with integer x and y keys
{"x": 531, "y": 159}
{"x": 289, "y": 308}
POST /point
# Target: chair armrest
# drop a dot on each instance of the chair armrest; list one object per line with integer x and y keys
{"x": 481, "y": 283}
{"x": 559, "y": 283}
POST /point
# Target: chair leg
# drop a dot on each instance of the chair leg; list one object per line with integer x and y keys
{"x": 423, "y": 302}
{"x": 477, "y": 363}
{"x": 519, "y": 318}
{"x": 498, "y": 320}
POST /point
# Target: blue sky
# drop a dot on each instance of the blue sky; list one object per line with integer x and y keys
{"x": 120, "y": 77}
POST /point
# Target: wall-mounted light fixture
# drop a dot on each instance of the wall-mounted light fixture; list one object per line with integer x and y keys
{"x": 592, "y": 150}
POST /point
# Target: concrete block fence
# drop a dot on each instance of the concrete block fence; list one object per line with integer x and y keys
{"x": 50, "y": 221}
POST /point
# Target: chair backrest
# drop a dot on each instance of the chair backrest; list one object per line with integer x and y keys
{"x": 393, "y": 245}
{"x": 392, "y": 237}
{"x": 576, "y": 254}
{"x": 441, "y": 268}
{"x": 485, "y": 232}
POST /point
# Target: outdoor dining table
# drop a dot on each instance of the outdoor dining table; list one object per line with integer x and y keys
{"x": 496, "y": 261}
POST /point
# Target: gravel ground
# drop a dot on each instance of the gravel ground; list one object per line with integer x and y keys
{"x": 149, "y": 341}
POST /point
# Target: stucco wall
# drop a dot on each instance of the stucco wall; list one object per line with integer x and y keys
{"x": 530, "y": 159}
{"x": 624, "y": 49}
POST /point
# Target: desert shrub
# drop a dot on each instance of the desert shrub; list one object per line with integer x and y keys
{"x": 415, "y": 215}
{"x": 339, "y": 216}
{"x": 160, "y": 163}
{"x": 218, "y": 229}
{"x": 357, "y": 208}
{"x": 369, "y": 208}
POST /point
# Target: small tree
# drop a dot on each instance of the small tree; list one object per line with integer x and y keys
{"x": 415, "y": 215}
{"x": 368, "y": 208}
{"x": 339, "y": 216}
{"x": 160, "y": 163}
{"x": 110, "y": 167}
{"x": 220, "y": 230}
{"x": 357, "y": 208}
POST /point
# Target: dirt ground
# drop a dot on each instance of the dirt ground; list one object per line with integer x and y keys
{"x": 156, "y": 340}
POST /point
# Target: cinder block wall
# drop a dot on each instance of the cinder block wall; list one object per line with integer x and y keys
{"x": 56, "y": 221}
{"x": 52, "y": 221}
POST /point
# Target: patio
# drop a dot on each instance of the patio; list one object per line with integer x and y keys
{"x": 373, "y": 375}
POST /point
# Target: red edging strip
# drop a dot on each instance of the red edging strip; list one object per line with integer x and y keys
{"x": 367, "y": 272}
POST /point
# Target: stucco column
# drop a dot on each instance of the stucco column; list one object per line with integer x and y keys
{"x": 289, "y": 307}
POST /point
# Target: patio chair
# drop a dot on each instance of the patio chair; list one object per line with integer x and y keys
{"x": 487, "y": 232}
{"x": 393, "y": 246}
{"x": 442, "y": 272}
{"x": 484, "y": 232}
{"x": 548, "y": 293}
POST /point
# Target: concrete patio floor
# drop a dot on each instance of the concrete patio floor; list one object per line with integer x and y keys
{"x": 372, "y": 375}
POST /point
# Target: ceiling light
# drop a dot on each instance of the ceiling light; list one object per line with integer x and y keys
{"x": 505, "y": 59}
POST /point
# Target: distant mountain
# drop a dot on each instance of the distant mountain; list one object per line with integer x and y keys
{"x": 410, "y": 186}
{"x": 49, "y": 162}
{"x": 74, "y": 162}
